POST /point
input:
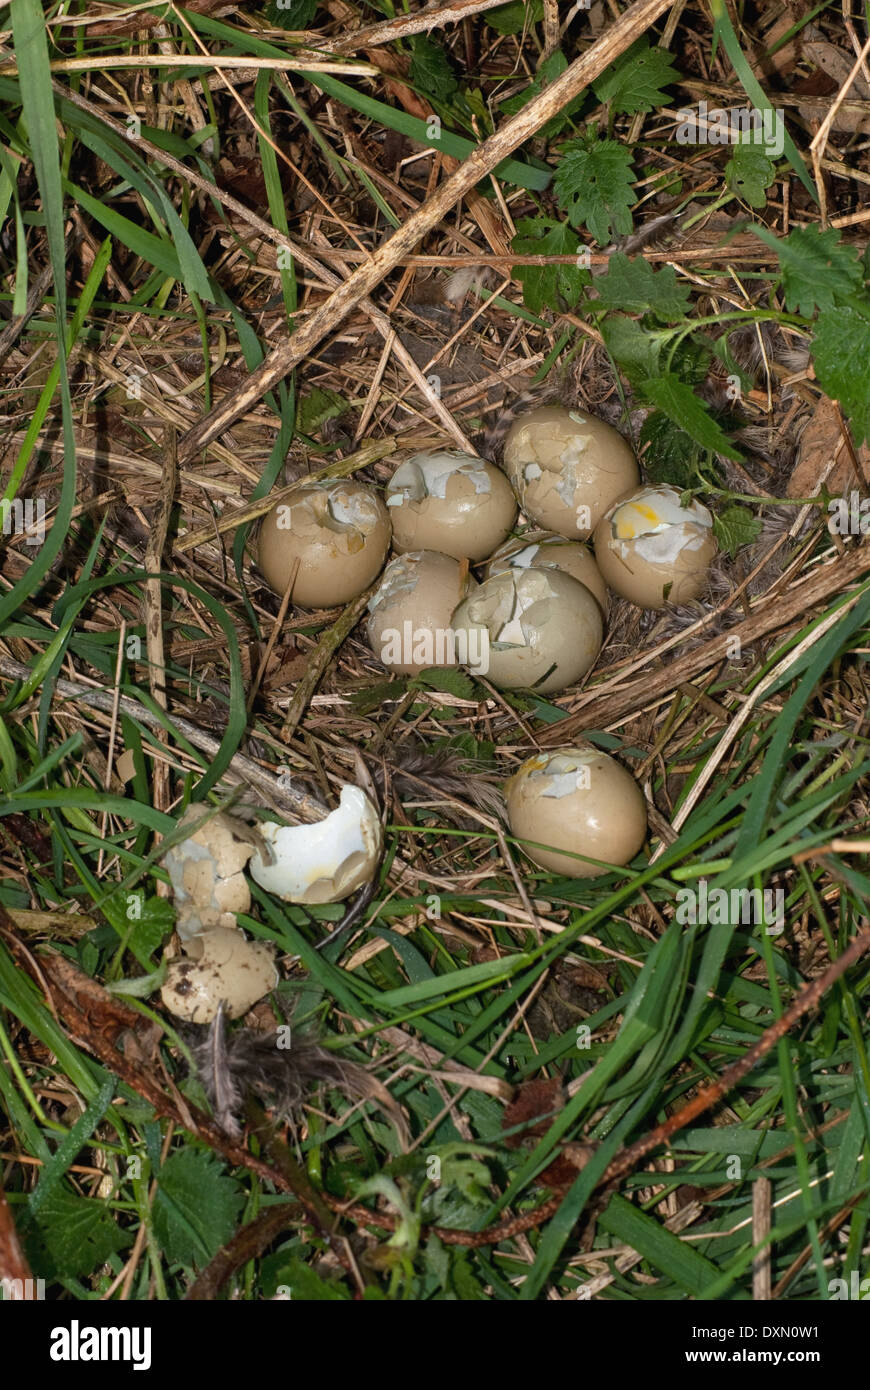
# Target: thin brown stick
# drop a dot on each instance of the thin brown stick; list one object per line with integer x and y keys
{"x": 403, "y": 26}
{"x": 481, "y": 162}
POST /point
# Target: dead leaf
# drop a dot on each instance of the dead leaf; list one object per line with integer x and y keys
{"x": 822, "y": 444}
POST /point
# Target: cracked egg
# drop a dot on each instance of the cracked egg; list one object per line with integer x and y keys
{"x": 338, "y": 531}
{"x": 451, "y": 502}
{"x": 409, "y": 614}
{"x": 567, "y": 467}
{"x": 655, "y": 551}
{"x": 326, "y": 862}
{"x": 546, "y": 551}
{"x": 530, "y": 629}
{"x": 576, "y": 802}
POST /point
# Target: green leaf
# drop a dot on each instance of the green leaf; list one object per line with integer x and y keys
{"x": 593, "y": 183}
{"x": 450, "y": 680}
{"x": 735, "y": 526}
{"x": 635, "y": 351}
{"x": 671, "y": 455}
{"x": 679, "y": 402}
{"x": 636, "y": 81}
{"x": 667, "y": 1254}
{"x": 816, "y": 269}
{"x": 430, "y": 69}
{"x": 548, "y": 70}
{"x": 305, "y": 1284}
{"x": 318, "y": 406}
{"x": 72, "y": 1235}
{"x": 555, "y": 287}
{"x": 632, "y": 286}
{"x": 513, "y": 18}
{"x": 749, "y": 173}
{"x": 841, "y": 356}
{"x": 293, "y": 14}
{"x": 196, "y": 1208}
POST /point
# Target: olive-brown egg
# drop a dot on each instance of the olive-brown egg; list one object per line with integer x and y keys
{"x": 451, "y": 502}
{"x": 409, "y": 625}
{"x": 655, "y": 551}
{"x": 576, "y": 802}
{"x": 545, "y": 551}
{"x": 338, "y": 531}
{"x": 529, "y": 629}
{"x": 567, "y": 467}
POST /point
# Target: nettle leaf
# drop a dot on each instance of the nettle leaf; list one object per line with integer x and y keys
{"x": 593, "y": 183}
{"x": 556, "y": 287}
{"x": 679, "y": 402}
{"x": 449, "y": 680}
{"x": 72, "y": 1235}
{"x": 816, "y": 269}
{"x": 841, "y": 356}
{"x": 196, "y": 1208}
{"x": 548, "y": 70}
{"x": 430, "y": 69}
{"x": 735, "y": 526}
{"x": 749, "y": 173}
{"x": 636, "y": 81}
{"x": 318, "y": 406}
{"x": 634, "y": 287}
{"x": 512, "y": 19}
{"x": 292, "y": 14}
{"x": 635, "y": 351}
{"x": 671, "y": 456}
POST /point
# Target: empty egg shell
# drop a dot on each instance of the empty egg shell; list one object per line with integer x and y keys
{"x": 322, "y": 863}
{"x": 576, "y": 801}
{"x": 530, "y": 629}
{"x": 547, "y": 551}
{"x": 339, "y": 532}
{"x": 451, "y": 502}
{"x": 409, "y": 614}
{"x": 567, "y": 467}
{"x": 229, "y": 968}
{"x": 207, "y": 873}
{"x": 654, "y": 551}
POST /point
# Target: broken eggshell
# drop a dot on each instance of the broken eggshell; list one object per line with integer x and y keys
{"x": 451, "y": 502}
{"x": 409, "y": 614}
{"x": 326, "y": 862}
{"x": 576, "y": 801}
{"x": 530, "y": 629}
{"x": 207, "y": 873}
{"x": 339, "y": 531}
{"x": 654, "y": 551}
{"x": 548, "y": 551}
{"x": 567, "y": 467}
{"x": 226, "y": 968}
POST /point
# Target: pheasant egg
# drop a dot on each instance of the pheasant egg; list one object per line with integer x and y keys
{"x": 530, "y": 629}
{"x": 576, "y": 802}
{"x": 338, "y": 531}
{"x": 451, "y": 502}
{"x": 655, "y": 551}
{"x": 567, "y": 468}
{"x": 409, "y": 614}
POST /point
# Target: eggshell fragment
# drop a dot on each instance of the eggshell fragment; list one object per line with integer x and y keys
{"x": 452, "y": 502}
{"x": 339, "y": 531}
{"x": 531, "y": 629}
{"x": 567, "y": 467}
{"x": 579, "y": 801}
{"x": 409, "y": 614}
{"x": 326, "y": 862}
{"x": 207, "y": 873}
{"x": 654, "y": 551}
{"x": 545, "y": 551}
{"x": 229, "y": 968}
